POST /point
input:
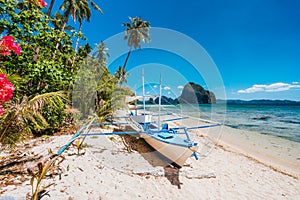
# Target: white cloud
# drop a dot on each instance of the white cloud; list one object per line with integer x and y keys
{"x": 167, "y": 88}
{"x": 180, "y": 87}
{"x": 274, "y": 87}
{"x": 295, "y": 83}
{"x": 155, "y": 86}
{"x": 169, "y": 92}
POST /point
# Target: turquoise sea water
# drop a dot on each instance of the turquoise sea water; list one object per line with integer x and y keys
{"x": 277, "y": 120}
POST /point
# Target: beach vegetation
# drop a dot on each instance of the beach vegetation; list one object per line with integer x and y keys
{"x": 40, "y": 83}
{"x": 25, "y": 116}
{"x": 43, "y": 58}
{"x": 44, "y": 168}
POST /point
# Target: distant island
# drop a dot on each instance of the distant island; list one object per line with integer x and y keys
{"x": 258, "y": 102}
{"x": 192, "y": 93}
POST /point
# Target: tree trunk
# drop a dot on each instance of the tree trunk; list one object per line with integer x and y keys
{"x": 77, "y": 39}
{"x": 127, "y": 57}
{"x": 59, "y": 39}
{"x": 124, "y": 67}
{"x": 37, "y": 50}
{"x": 77, "y": 42}
{"x": 50, "y": 8}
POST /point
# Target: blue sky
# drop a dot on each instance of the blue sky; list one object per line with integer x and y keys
{"x": 254, "y": 45}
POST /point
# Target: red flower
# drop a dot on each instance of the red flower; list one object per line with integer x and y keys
{"x": 8, "y": 38}
{"x": 6, "y": 89}
{"x": 42, "y": 3}
{"x": 7, "y": 44}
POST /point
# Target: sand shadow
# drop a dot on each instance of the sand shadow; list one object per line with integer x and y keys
{"x": 172, "y": 174}
{"x": 152, "y": 156}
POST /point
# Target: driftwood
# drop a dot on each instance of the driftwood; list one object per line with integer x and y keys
{"x": 17, "y": 167}
{"x": 13, "y": 168}
{"x": 15, "y": 161}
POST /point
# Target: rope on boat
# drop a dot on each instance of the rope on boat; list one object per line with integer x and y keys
{"x": 77, "y": 134}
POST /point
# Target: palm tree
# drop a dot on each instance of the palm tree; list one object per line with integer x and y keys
{"x": 70, "y": 7}
{"x": 78, "y": 9}
{"x": 84, "y": 12}
{"x": 50, "y": 8}
{"x": 136, "y": 31}
{"x": 101, "y": 54}
{"x": 58, "y": 22}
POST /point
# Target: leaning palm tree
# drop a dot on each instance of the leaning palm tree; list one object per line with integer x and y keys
{"x": 21, "y": 116}
{"x": 69, "y": 7}
{"x": 50, "y": 8}
{"x": 84, "y": 13}
{"x": 136, "y": 31}
{"x": 121, "y": 75}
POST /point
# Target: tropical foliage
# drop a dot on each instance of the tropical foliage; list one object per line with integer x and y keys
{"x": 38, "y": 103}
{"x": 24, "y": 117}
{"x": 42, "y": 60}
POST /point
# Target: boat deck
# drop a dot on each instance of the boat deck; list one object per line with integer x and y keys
{"x": 169, "y": 137}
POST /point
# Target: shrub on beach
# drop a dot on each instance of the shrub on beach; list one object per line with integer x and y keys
{"x": 39, "y": 65}
{"x": 33, "y": 73}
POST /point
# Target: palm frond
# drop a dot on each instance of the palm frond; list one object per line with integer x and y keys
{"x": 96, "y": 7}
{"x": 54, "y": 99}
{"x": 23, "y": 114}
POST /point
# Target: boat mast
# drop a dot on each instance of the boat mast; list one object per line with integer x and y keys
{"x": 159, "y": 102}
{"x": 143, "y": 83}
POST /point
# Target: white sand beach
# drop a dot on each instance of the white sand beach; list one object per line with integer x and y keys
{"x": 243, "y": 165}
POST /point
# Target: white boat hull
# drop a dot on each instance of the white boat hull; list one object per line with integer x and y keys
{"x": 177, "y": 154}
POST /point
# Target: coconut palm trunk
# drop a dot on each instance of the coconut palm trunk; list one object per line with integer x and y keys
{"x": 50, "y": 8}
{"x": 127, "y": 57}
{"x": 77, "y": 44}
{"x": 62, "y": 30}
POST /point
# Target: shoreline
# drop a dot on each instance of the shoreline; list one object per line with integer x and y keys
{"x": 233, "y": 168}
{"x": 277, "y": 153}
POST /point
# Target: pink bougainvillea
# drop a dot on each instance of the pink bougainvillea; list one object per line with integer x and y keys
{"x": 7, "y": 44}
{"x": 42, "y": 3}
{"x": 6, "y": 91}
